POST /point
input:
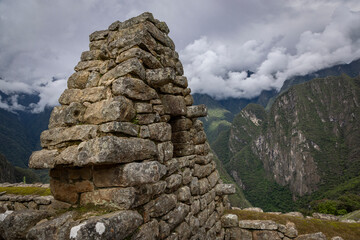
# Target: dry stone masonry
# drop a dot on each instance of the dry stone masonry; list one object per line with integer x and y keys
{"x": 127, "y": 136}
{"x": 237, "y": 229}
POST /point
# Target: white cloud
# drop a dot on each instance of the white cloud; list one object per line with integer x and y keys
{"x": 210, "y": 65}
{"x": 275, "y": 39}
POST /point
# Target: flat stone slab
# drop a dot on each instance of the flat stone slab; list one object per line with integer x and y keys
{"x": 111, "y": 149}
{"x": 258, "y": 224}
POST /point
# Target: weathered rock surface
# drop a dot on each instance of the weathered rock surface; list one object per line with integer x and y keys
{"x": 117, "y": 225}
{"x": 17, "y": 224}
{"x": 111, "y": 149}
{"x": 312, "y": 236}
{"x": 126, "y": 137}
{"x": 258, "y": 224}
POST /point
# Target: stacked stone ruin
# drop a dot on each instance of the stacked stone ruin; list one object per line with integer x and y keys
{"x": 127, "y": 136}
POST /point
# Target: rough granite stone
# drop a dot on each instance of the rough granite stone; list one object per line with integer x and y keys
{"x": 130, "y": 66}
{"x": 196, "y": 111}
{"x": 51, "y": 229}
{"x": 148, "y": 60}
{"x": 121, "y": 198}
{"x": 230, "y": 220}
{"x": 131, "y": 174}
{"x": 225, "y": 189}
{"x": 133, "y": 88}
{"x": 17, "y": 224}
{"x": 117, "y": 109}
{"x": 258, "y": 224}
{"x": 43, "y": 159}
{"x": 56, "y": 136}
{"x": 160, "y": 131}
{"x": 174, "y": 105}
{"x": 116, "y": 225}
{"x": 120, "y": 127}
{"x": 78, "y": 80}
{"x": 93, "y": 94}
{"x": 111, "y": 149}
{"x": 160, "y": 206}
{"x": 312, "y": 236}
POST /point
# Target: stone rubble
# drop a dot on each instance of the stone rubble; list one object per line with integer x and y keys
{"x": 126, "y": 136}
{"x": 237, "y": 229}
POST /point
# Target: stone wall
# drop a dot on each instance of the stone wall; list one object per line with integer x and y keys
{"x": 127, "y": 136}
{"x": 238, "y": 229}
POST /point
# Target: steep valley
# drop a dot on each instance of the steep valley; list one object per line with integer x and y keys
{"x": 306, "y": 145}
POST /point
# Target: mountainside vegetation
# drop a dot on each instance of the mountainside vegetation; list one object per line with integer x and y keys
{"x": 306, "y": 148}
{"x": 235, "y": 144}
{"x": 20, "y": 136}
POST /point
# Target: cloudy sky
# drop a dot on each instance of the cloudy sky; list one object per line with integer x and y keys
{"x": 218, "y": 40}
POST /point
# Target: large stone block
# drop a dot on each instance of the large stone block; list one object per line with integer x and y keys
{"x": 122, "y": 198}
{"x": 160, "y": 131}
{"x": 98, "y": 35}
{"x": 63, "y": 191}
{"x": 146, "y": 16}
{"x": 92, "y": 95}
{"x": 312, "y": 236}
{"x": 170, "y": 88}
{"x": 130, "y": 66}
{"x": 67, "y": 115}
{"x": 116, "y": 225}
{"x": 93, "y": 55}
{"x": 266, "y": 234}
{"x": 230, "y": 220}
{"x": 225, "y": 189}
{"x": 111, "y": 149}
{"x": 160, "y": 76}
{"x": 196, "y": 111}
{"x": 142, "y": 107}
{"x": 148, "y": 60}
{"x": 201, "y": 171}
{"x": 148, "y": 231}
{"x": 78, "y": 80}
{"x": 67, "y": 156}
{"x": 181, "y": 124}
{"x": 174, "y": 105}
{"x": 176, "y": 216}
{"x": 160, "y": 206}
{"x": 181, "y": 137}
{"x": 174, "y": 181}
{"x": 43, "y": 159}
{"x": 117, "y": 109}
{"x": 165, "y": 151}
{"x": 56, "y": 136}
{"x": 16, "y": 225}
{"x": 183, "y": 149}
{"x": 128, "y": 38}
{"x": 133, "y": 88}
{"x": 258, "y": 224}
{"x": 51, "y": 229}
{"x": 120, "y": 127}
{"x": 93, "y": 65}
{"x": 131, "y": 174}
{"x": 204, "y": 186}
{"x": 181, "y": 81}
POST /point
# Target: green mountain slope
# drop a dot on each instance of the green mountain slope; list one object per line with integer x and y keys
{"x": 304, "y": 148}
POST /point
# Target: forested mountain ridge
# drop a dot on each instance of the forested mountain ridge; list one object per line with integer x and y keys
{"x": 308, "y": 143}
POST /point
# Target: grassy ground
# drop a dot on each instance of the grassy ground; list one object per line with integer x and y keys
{"x": 348, "y": 231}
{"x": 26, "y": 191}
{"x": 352, "y": 216}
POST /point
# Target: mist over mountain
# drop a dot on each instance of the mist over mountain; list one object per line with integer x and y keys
{"x": 326, "y": 113}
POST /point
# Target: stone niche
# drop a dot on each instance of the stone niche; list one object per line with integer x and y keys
{"x": 126, "y": 135}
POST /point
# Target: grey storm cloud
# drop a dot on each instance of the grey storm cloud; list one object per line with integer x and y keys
{"x": 217, "y": 41}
